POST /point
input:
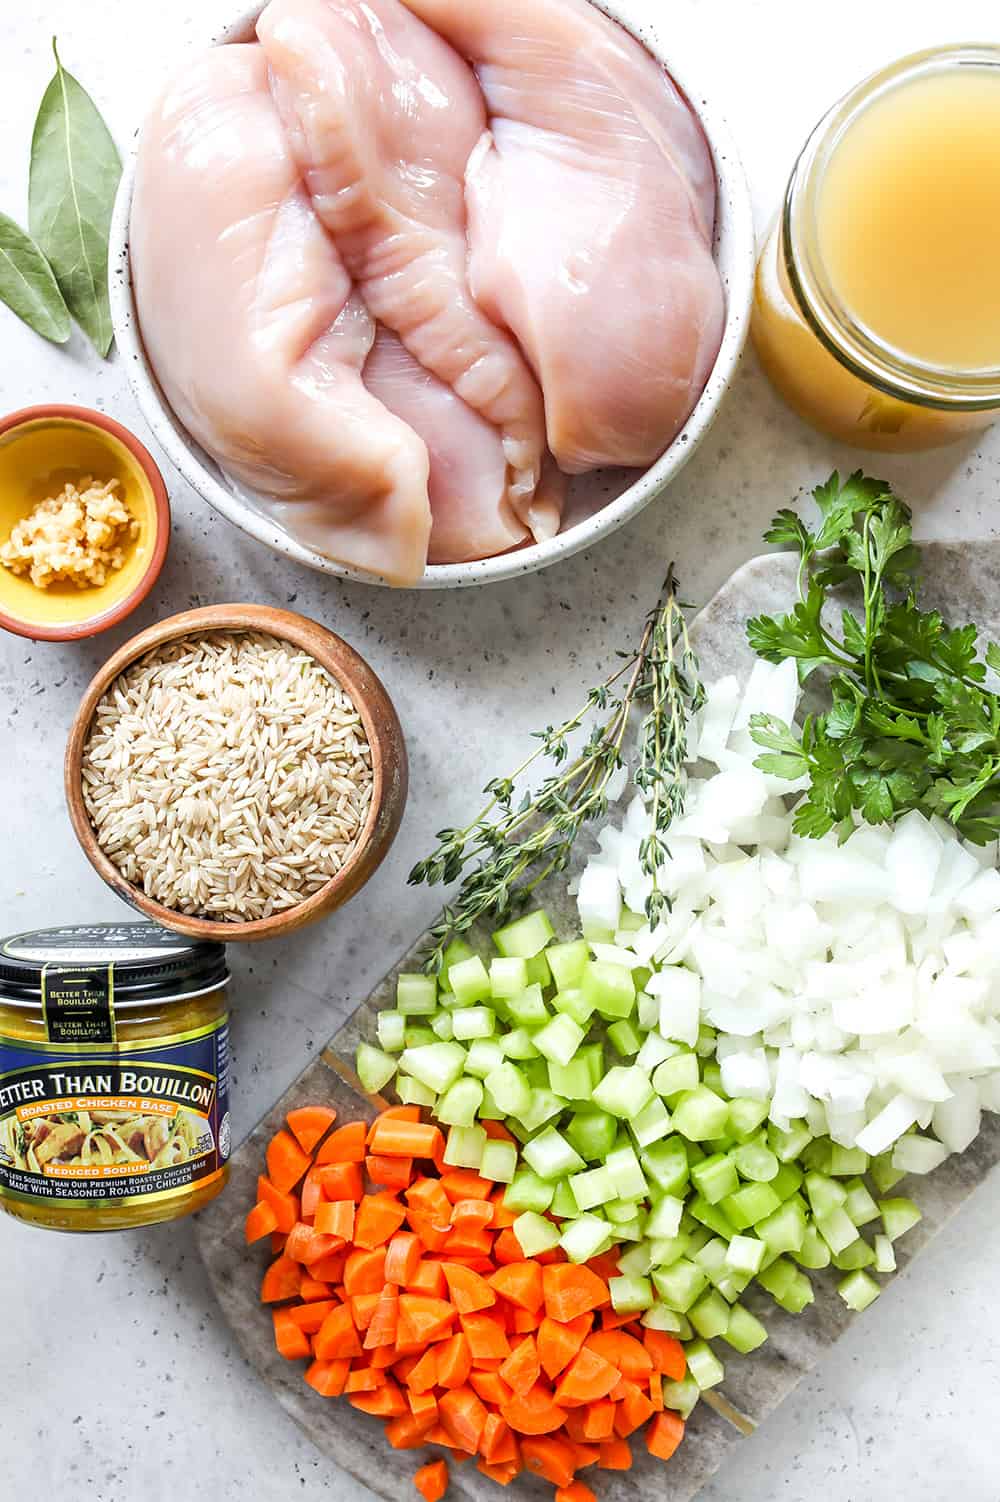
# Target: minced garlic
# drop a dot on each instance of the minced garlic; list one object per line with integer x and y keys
{"x": 79, "y": 535}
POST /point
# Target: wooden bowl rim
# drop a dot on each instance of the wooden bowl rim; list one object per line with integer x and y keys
{"x": 88, "y": 626}
{"x": 288, "y": 626}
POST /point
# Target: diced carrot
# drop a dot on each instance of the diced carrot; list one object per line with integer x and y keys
{"x": 428, "y": 1277}
{"x": 611, "y": 1321}
{"x": 393, "y": 1113}
{"x": 311, "y": 1289}
{"x": 309, "y": 1123}
{"x": 260, "y": 1222}
{"x": 382, "y": 1330}
{"x": 431, "y": 1481}
{"x": 394, "y": 1138}
{"x": 490, "y": 1386}
{"x": 497, "y": 1132}
{"x": 520, "y": 1283}
{"x": 336, "y": 1218}
{"x": 576, "y": 1491}
{"x": 432, "y": 1236}
{"x": 363, "y": 1306}
{"x": 468, "y": 1290}
{"x": 410, "y": 1431}
{"x": 605, "y": 1265}
{"x": 634, "y": 1408}
{"x": 307, "y": 1245}
{"x": 559, "y": 1343}
{"x": 666, "y": 1354}
{"x": 534, "y": 1412}
{"x": 328, "y": 1377}
{"x": 549, "y": 1456}
{"x": 281, "y": 1281}
{"x": 427, "y": 1196}
{"x": 292, "y": 1342}
{"x": 278, "y": 1240}
{"x": 570, "y": 1291}
{"x": 454, "y": 1361}
{"x": 309, "y": 1317}
{"x": 422, "y": 1319}
{"x": 345, "y": 1145}
{"x": 343, "y": 1181}
{"x": 422, "y": 1403}
{"x": 379, "y": 1217}
{"x": 485, "y": 1336}
{"x": 463, "y": 1415}
{"x": 337, "y": 1337}
{"x": 524, "y": 1321}
{"x": 503, "y": 1475}
{"x": 424, "y": 1374}
{"x": 616, "y": 1455}
{"x": 392, "y": 1173}
{"x": 475, "y": 1215}
{"x": 365, "y": 1379}
{"x": 364, "y": 1272}
{"x": 522, "y": 1369}
{"x": 386, "y": 1402}
{"x": 599, "y": 1421}
{"x": 623, "y": 1351}
{"x": 465, "y": 1184}
{"x": 311, "y": 1193}
{"x": 575, "y": 1426}
{"x": 503, "y": 1218}
{"x": 330, "y": 1269}
{"x": 463, "y": 1242}
{"x": 382, "y": 1357}
{"x": 587, "y": 1379}
{"x": 284, "y": 1205}
{"x": 403, "y": 1256}
{"x": 664, "y": 1434}
{"x": 656, "y": 1392}
{"x": 286, "y": 1162}
{"x": 585, "y": 1454}
{"x": 507, "y": 1248}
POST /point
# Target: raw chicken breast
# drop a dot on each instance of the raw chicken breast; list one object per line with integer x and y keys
{"x": 383, "y": 116}
{"x": 254, "y": 331}
{"x": 591, "y": 207}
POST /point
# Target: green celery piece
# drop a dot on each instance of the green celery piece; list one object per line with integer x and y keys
{"x": 416, "y": 995}
{"x": 651, "y": 1124}
{"x": 624, "y": 1039}
{"x": 713, "y": 1216}
{"x": 666, "y": 1163}
{"x": 539, "y": 973}
{"x": 609, "y": 988}
{"x": 519, "y": 1044}
{"x": 667, "y": 1249}
{"x": 569, "y": 1081}
{"x": 711, "y": 1077}
{"x": 699, "y": 1114}
{"x": 630, "y": 1230}
{"x": 677, "y": 1075}
{"x": 559, "y": 1039}
{"x": 526, "y": 936}
{"x": 682, "y": 1397}
{"x": 624, "y": 1091}
{"x": 374, "y": 1068}
{"x": 637, "y": 1261}
{"x": 564, "y": 1202}
{"x": 705, "y": 1046}
{"x": 536, "y": 1072}
{"x": 584, "y": 1237}
{"x": 489, "y": 1110}
{"x": 485, "y": 1055}
{"x": 858, "y": 1254}
{"x": 745, "y": 1255}
{"x": 572, "y": 1004}
{"x": 459, "y": 1105}
{"x": 629, "y": 1295}
{"x": 787, "y": 1180}
{"x": 785, "y": 1229}
{"x": 509, "y": 1088}
{"x": 837, "y": 1230}
{"x": 824, "y": 1194}
{"x": 442, "y": 1027}
{"x": 594, "y": 1055}
{"x": 745, "y": 1116}
{"x": 526, "y": 1191}
{"x": 744, "y": 1331}
{"x": 710, "y": 1315}
{"x": 703, "y": 1365}
{"x": 715, "y": 1178}
{"x": 898, "y": 1216}
{"x": 620, "y": 1211}
{"x": 594, "y": 1186}
{"x": 679, "y": 1284}
{"x": 885, "y": 1257}
{"x": 789, "y": 1144}
{"x": 457, "y": 951}
{"x": 437, "y": 1065}
{"x": 470, "y": 981}
{"x": 420, "y": 1037}
{"x": 567, "y": 963}
{"x": 655, "y": 1051}
{"x": 858, "y": 1290}
{"x": 860, "y": 1205}
{"x": 659, "y": 1317}
{"x": 847, "y": 1162}
{"x": 551, "y": 1156}
{"x": 756, "y": 1162}
{"x": 814, "y": 1252}
{"x": 790, "y": 1288}
{"x": 535, "y": 1234}
{"x": 470, "y": 1023}
{"x": 592, "y": 1133}
{"x": 499, "y": 1161}
{"x": 391, "y": 1030}
{"x": 665, "y": 1216}
{"x": 508, "y": 977}
{"x": 883, "y": 1174}
{"x": 626, "y": 1174}
{"x": 542, "y": 1107}
{"x": 527, "y": 1008}
{"x": 818, "y": 1156}
{"x": 752, "y": 1203}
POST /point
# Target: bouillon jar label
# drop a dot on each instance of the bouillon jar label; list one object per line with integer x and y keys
{"x": 78, "y": 1005}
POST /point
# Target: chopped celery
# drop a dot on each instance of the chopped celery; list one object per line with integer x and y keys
{"x": 631, "y": 1230}
{"x": 464, "y": 1147}
{"x": 757, "y": 1162}
{"x": 485, "y": 1055}
{"x": 460, "y": 1105}
{"x": 752, "y": 1203}
{"x": 655, "y": 1051}
{"x": 572, "y": 1004}
{"x": 818, "y": 1156}
{"x": 508, "y": 977}
{"x": 789, "y": 1144}
{"x": 705, "y": 1046}
{"x": 860, "y": 1205}
{"x": 416, "y": 995}
{"x": 473, "y": 1022}
{"x": 551, "y": 1156}
{"x": 624, "y": 1091}
{"x": 898, "y": 1217}
{"x": 567, "y": 963}
{"x": 884, "y": 1174}
{"x": 519, "y": 1044}
{"x": 535, "y": 1234}
{"x": 652, "y": 1123}
{"x": 629, "y": 1295}
{"x": 847, "y": 1162}
{"x": 745, "y": 1116}
{"x": 745, "y": 1254}
{"x": 666, "y": 1163}
{"x": 704, "y": 1367}
{"x": 499, "y": 1161}
{"x": 375, "y": 1068}
{"x": 489, "y": 1110}
{"x": 785, "y": 1230}
{"x": 710, "y": 1315}
{"x": 666, "y": 1249}
{"x": 564, "y": 1202}
{"x": 788, "y": 1287}
{"x": 699, "y": 1114}
{"x": 637, "y": 1261}
{"x": 539, "y": 973}
{"x": 419, "y": 1037}
{"x": 787, "y": 1180}
{"x": 412, "y": 1093}
{"x": 436, "y": 1065}
{"x": 610, "y": 989}
{"x": 858, "y": 1290}
{"x": 713, "y": 1216}
{"x": 391, "y": 1028}
{"x": 559, "y": 1039}
{"x": 711, "y": 1075}
{"x": 711, "y": 1258}
{"x": 858, "y": 1254}
{"x": 442, "y": 1026}
{"x": 509, "y": 1089}
{"x": 542, "y": 1107}
{"x": 457, "y": 951}
{"x": 837, "y": 1229}
{"x": 593, "y": 1187}
{"x": 527, "y": 1008}
{"x": 593, "y": 1133}
{"x": 814, "y": 1252}
{"x": 677, "y": 1074}
{"x": 526, "y": 1191}
{"x": 526, "y": 936}
{"x": 682, "y": 1397}
{"x": 885, "y": 1256}
{"x": 626, "y": 1174}
{"x": 647, "y": 1012}
{"x": 665, "y": 1216}
{"x": 536, "y": 1072}
{"x": 824, "y": 1194}
{"x": 659, "y": 1317}
{"x": 624, "y": 1038}
{"x": 470, "y": 981}
{"x": 584, "y": 1237}
{"x": 620, "y": 1211}
{"x": 744, "y": 1331}
{"x": 679, "y": 1284}
{"x": 716, "y": 1177}
{"x": 594, "y": 1055}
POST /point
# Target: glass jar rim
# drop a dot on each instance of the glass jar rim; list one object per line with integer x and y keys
{"x": 873, "y": 361}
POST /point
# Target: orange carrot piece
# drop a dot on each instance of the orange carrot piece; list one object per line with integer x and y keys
{"x": 465, "y": 1184}
{"x": 364, "y": 1272}
{"x": 403, "y": 1256}
{"x": 336, "y": 1218}
{"x": 664, "y": 1434}
{"x": 666, "y": 1354}
{"x": 260, "y": 1222}
{"x": 281, "y": 1281}
{"x": 422, "y": 1319}
{"x": 524, "y": 1322}
{"x": 309, "y": 1317}
{"x": 474, "y": 1215}
{"x": 490, "y": 1386}
{"x": 286, "y": 1162}
{"x": 586, "y": 1454}
{"x": 329, "y": 1269}
{"x": 520, "y": 1283}
{"x": 623, "y": 1351}
{"x": 328, "y": 1377}
{"x": 393, "y": 1113}
{"x": 503, "y": 1475}
{"x": 616, "y": 1455}
{"x": 576, "y": 1491}
{"x": 454, "y": 1361}
{"x": 570, "y": 1291}
{"x": 345, "y": 1145}
{"x": 311, "y": 1194}
{"x": 365, "y": 1379}
{"x": 427, "y": 1196}
{"x": 522, "y": 1368}
{"x": 469, "y": 1292}
{"x": 311, "y": 1289}
{"x": 503, "y": 1218}
{"x": 277, "y": 1242}
{"x": 395, "y": 1138}
{"x": 422, "y": 1404}
{"x": 307, "y": 1245}
{"x": 634, "y": 1408}
{"x": 432, "y": 1236}
{"x": 428, "y": 1277}
{"x": 549, "y": 1456}
{"x": 485, "y": 1336}
{"x": 463, "y": 1415}
{"x": 285, "y": 1206}
{"x": 431, "y": 1481}
{"x": 588, "y": 1379}
{"x": 386, "y": 1402}
{"x": 507, "y": 1248}
{"x": 656, "y": 1392}
{"x": 342, "y": 1181}
{"x": 379, "y": 1217}
{"x": 363, "y": 1306}
{"x": 292, "y": 1342}
{"x": 559, "y": 1343}
{"x": 410, "y": 1431}
{"x": 599, "y": 1421}
{"x": 424, "y": 1374}
{"x": 309, "y": 1123}
{"x": 391, "y": 1173}
{"x": 610, "y": 1321}
{"x": 534, "y": 1412}
{"x": 384, "y": 1321}
{"x": 337, "y": 1337}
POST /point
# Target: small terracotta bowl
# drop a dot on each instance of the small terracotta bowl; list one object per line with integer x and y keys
{"x": 381, "y": 726}
{"x": 40, "y": 449}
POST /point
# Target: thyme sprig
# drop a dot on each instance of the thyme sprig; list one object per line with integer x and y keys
{"x": 510, "y": 847}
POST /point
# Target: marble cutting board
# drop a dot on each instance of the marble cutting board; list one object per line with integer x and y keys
{"x": 963, "y": 581}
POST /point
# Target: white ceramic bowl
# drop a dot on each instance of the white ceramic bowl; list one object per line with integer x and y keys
{"x": 626, "y": 494}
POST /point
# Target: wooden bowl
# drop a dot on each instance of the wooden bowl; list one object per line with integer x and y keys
{"x": 381, "y": 725}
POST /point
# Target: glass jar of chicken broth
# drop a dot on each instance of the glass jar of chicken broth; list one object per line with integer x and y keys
{"x": 877, "y": 309}
{"x": 114, "y": 1076}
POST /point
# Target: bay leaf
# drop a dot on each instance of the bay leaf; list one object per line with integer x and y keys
{"x": 28, "y": 286}
{"x": 75, "y": 170}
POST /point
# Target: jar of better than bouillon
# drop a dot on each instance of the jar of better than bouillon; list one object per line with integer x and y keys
{"x": 114, "y": 1076}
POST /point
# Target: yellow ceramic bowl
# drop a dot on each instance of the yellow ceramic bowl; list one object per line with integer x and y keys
{"x": 41, "y": 448}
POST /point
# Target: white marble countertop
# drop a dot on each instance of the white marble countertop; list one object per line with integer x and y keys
{"x": 119, "y": 1380}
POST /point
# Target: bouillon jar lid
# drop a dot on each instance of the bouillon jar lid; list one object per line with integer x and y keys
{"x": 148, "y": 961}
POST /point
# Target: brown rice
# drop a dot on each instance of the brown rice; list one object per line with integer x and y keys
{"x": 227, "y": 776}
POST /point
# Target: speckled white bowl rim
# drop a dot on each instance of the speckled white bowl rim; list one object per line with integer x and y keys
{"x": 735, "y": 257}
